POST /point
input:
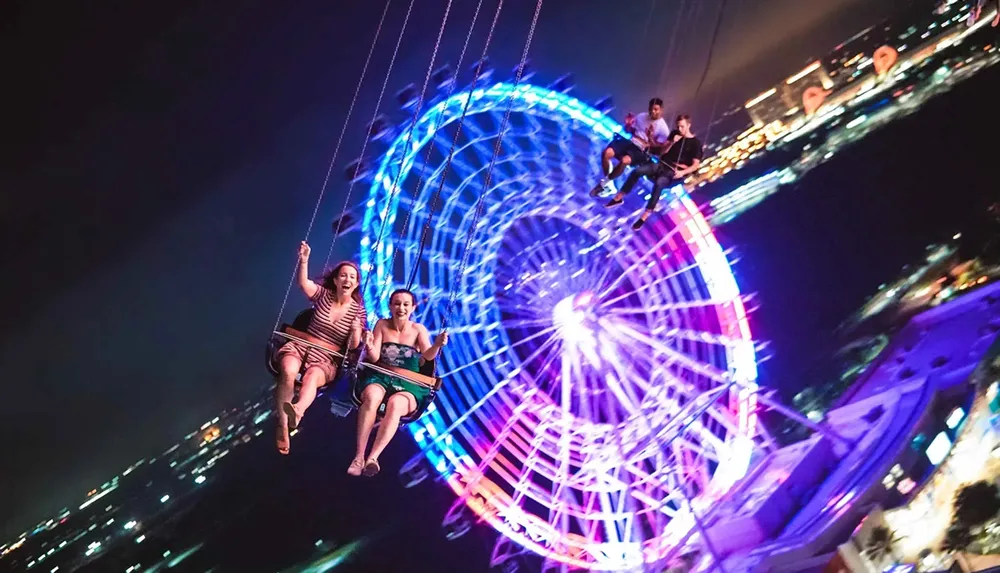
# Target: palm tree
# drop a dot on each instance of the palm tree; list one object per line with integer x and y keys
{"x": 976, "y": 504}
{"x": 957, "y": 539}
{"x": 881, "y": 544}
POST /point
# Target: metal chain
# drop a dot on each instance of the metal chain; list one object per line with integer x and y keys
{"x": 394, "y": 189}
{"x": 333, "y": 160}
{"x": 489, "y": 172}
{"x": 378, "y": 104}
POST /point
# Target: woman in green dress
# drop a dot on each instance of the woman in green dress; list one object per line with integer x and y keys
{"x": 398, "y": 342}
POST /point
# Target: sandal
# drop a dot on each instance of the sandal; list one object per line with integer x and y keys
{"x": 293, "y": 415}
{"x": 356, "y": 467}
{"x": 371, "y": 468}
{"x": 282, "y": 440}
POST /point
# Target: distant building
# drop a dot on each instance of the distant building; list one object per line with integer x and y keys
{"x": 785, "y": 100}
{"x": 851, "y": 59}
{"x": 794, "y": 88}
{"x": 726, "y": 127}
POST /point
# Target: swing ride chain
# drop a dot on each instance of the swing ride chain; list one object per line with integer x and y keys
{"x": 489, "y": 171}
{"x": 435, "y": 198}
{"x": 364, "y": 146}
{"x": 394, "y": 190}
{"x": 333, "y": 161}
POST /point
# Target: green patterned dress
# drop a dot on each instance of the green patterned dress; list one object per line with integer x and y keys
{"x": 400, "y": 356}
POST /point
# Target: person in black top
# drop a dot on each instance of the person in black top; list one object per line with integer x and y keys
{"x": 681, "y": 158}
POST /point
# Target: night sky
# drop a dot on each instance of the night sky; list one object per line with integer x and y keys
{"x": 160, "y": 164}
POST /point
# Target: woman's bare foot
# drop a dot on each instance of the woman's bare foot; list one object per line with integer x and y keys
{"x": 356, "y": 467}
{"x": 293, "y": 415}
{"x": 282, "y": 440}
{"x": 371, "y": 468}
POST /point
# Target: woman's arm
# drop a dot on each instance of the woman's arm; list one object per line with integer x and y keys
{"x": 308, "y": 287}
{"x": 427, "y": 350}
{"x": 374, "y": 343}
{"x": 358, "y": 328}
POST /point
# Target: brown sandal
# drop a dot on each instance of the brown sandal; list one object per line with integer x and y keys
{"x": 371, "y": 468}
{"x": 282, "y": 440}
{"x": 293, "y": 416}
{"x": 357, "y": 466}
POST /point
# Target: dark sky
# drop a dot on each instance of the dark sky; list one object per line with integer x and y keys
{"x": 160, "y": 162}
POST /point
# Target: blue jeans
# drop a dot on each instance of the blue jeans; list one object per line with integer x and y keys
{"x": 661, "y": 175}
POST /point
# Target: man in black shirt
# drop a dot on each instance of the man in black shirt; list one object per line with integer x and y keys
{"x": 681, "y": 158}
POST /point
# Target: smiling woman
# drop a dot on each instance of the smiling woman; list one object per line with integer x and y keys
{"x": 338, "y": 320}
{"x": 399, "y": 345}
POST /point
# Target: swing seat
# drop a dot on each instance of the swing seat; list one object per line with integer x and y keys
{"x": 344, "y": 391}
{"x": 301, "y": 323}
{"x": 427, "y": 375}
{"x": 298, "y": 328}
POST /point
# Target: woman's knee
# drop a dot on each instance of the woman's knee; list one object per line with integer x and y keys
{"x": 399, "y": 405}
{"x": 314, "y": 376}
{"x": 372, "y": 396}
{"x": 289, "y": 368}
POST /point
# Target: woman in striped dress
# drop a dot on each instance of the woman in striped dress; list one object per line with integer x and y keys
{"x": 339, "y": 319}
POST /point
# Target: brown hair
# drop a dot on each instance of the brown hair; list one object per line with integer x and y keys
{"x": 404, "y": 291}
{"x": 330, "y": 276}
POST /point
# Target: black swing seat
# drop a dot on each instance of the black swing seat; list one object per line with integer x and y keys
{"x": 427, "y": 376}
{"x": 301, "y": 323}
{"x": 298, "y": 329}
{"x": 345, "y": 390}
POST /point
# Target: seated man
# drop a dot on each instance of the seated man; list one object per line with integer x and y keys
{"x": 682, "y": 157}
{"x": 649, "y": 135}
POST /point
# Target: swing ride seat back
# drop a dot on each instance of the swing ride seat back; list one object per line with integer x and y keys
{"x": 298, "y": 329}
{"x": 301, "y": 323}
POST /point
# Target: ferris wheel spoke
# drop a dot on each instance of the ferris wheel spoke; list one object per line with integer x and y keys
{"x": 510, "y": 377}
{"x": 722, "y": 417}
{"x": 489, "y": 456}
{"x": 650, "y": 285}
{"x": 684, "y": 360}
{"x": 696, "y": 428}
{"x": 677, "y": 305}
{"x": 642, "y": 259}
{"x": 630, "y": 495}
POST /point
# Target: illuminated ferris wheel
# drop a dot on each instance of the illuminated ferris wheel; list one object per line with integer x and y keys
{"x": 599, "y": 383}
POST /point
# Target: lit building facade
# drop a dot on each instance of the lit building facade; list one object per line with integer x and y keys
{"x": 851, "y": 60}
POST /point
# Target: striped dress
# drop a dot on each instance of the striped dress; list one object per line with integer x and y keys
{"x": 323, "y": 327}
